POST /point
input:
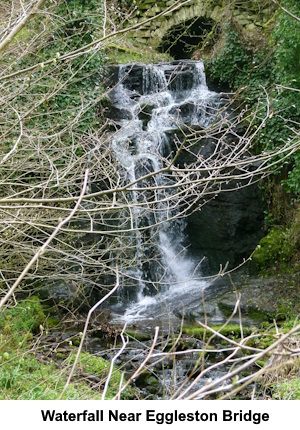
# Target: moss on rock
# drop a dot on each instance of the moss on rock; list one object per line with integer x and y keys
{"x": 27, "y": 316}
{"x": 229, "y": 330}
{"x": 279, "y": 249}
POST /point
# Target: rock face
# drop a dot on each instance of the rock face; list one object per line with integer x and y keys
{"x": 261, "y": 299}
{"x": 228, "y": 228}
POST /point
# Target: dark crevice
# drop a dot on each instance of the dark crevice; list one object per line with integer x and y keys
{"x": 184, "y": 38}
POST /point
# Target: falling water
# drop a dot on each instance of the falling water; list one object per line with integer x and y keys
{"x": 153, "y": 100}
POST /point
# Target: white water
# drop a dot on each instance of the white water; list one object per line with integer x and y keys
{"x": 176, "y": 100}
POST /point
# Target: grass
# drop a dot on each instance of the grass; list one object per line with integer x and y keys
{"x": 289, "y": 389}
{"x": 27, "y": 370}
{"x": 24, "y": 377}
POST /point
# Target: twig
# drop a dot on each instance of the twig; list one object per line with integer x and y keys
{"x": 137, "y": 372}
{"x": 85, "y": 330}
{"x": 21, "y": 25}
{"x": 124, "y": 344}
{"x": 47, "y": 243}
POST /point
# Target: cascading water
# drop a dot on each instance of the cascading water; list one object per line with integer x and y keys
{"x": 152, "y": 101}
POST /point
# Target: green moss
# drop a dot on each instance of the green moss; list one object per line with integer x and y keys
{"x": 53, "y": 322}
{"x": 27, "y": 373}
{"x": 276, "y": 250}
{"x": 230, "y": 330}
{"x": 130, "y": 51}
{"x": 139, "y": 335}
{"x": 287, "y": 389}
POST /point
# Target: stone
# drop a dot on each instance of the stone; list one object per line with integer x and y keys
{"x": 145, "y": 113}
{"x": 65, "y": 295}
{"x": 251, "y": 27}
{"x": 216, "y": 13}
{"x": 228, "y": 228}
{"x": 246, "y": 13}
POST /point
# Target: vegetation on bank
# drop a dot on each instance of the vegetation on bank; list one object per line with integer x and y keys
{"x": 277, "y": 375}
{"x": 269, "y": 63}
{"x": 266, "y": 63}
{"x": 30, "y": 370}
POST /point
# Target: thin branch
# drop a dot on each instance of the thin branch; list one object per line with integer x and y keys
{"x": 85, "y": 331}
{"x": 47, "y": 243}
{"x": 21, "y": 25}
{"x": 286, "y": 10}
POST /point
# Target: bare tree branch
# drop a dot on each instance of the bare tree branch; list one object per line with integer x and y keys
{"x": 8, "y": 39}
{"x": 46, "y": 244}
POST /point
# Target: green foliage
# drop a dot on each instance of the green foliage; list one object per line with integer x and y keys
{"x": 287, "y": 39}
{"x": 232, "y": 65}
{"x": 276, "y": 250}
{"x": 64, "y": 86}
{"x": 292, "y": 183}
{"x": 287, "y": 71}
{"x": 83, "y": 20}
{"x": 24, "y": 376}
{"x": 287, "y": 389}
{"x": 274, "y": 70}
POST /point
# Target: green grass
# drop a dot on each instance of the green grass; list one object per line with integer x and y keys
{"x": 27, "y": 316}
{"x": 27, "y": 371}
{"x": 288, "y": 389}
{"x": 24, "y": 377}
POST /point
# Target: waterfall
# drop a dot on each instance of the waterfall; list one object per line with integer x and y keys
{"x": 153, "y": 100}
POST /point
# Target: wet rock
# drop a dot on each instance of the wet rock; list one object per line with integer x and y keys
{"x": 261, "y": 299}
{"x": 138, "y": 334}
{"x": 68, "y": 295}
{"x": 228, "y": 228}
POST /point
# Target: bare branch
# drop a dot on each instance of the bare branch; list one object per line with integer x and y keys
{"x": 21, "y": 25}
{"x": 46, "y": 244}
